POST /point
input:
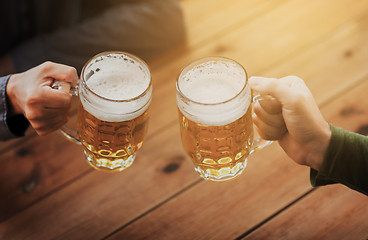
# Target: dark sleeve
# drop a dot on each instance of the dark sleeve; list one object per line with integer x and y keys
{"x": 10, "y": 126}
{"x": 143, "y": 28}
{"x": 346, "y": 161}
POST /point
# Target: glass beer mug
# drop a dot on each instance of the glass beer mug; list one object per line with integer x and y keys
{"x": 114, "y": 93}
{"x": 215, "y": 114}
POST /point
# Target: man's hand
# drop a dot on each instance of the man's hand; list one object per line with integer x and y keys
{"x": 30, "y": 93}
{"x": 307, "y": 133}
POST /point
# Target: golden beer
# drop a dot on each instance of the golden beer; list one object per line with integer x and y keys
{"x": 115, "y": 93}
{"x": 111, "y": 145}
{"x": 218, "y": 151}
{"x": 215, "y": 115}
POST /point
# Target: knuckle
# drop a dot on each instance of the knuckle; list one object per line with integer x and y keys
{"x": 293, "y": 78}
{"x": 46, "y": 66}
{"x": 297, "y": 79}
{"x": 71, "y": 71}
{"x": 37, "y": 127}
{"x": 273, "y": 85}
{"x": 31, "y": 116}
{"x": 32, "y": 100}
{"x": 41, "y": 132}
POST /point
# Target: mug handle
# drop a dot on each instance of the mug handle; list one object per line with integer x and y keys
{"x": 259, "y": 143}
{"x": 68, "y": 132}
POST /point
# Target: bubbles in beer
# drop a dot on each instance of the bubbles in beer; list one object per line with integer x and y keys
{"x": 118, "y": 79}
{"x": 213, "y": 82}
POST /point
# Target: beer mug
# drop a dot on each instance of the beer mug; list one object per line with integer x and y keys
{"x": 215, "y": 114}
{"x": 114, "y": 94}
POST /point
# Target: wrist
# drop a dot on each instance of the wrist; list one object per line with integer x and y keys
{"x": 316, "y": 157}
{"x": 13, "y": 105}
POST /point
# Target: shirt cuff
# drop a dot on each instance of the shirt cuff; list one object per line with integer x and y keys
{"x": 324, "y": 176}
{"x": 10, "y": 127}
{"x": 345, "y": 161}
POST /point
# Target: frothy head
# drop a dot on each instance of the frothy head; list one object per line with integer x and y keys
{"x": 115, "y": 86}
{"x": 213, "y": 91}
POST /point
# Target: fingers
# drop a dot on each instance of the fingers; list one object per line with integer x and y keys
{"x": 64, "y": 86}
{"x": 59, "y": 72}
{"x": 267, "y": 131}
{"x": 44, "y": 107}
{"x": 66, "y": 77}
{"x": 271, "y": 106}
{"x": 267, "y": 86}
{"x": 282, "y": 89}
{"x": 269, "y": 126}
{"x": 275, "y": 120}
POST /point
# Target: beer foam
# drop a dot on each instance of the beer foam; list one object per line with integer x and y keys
{"x": 116, "y": 81}
{"x": 217, "y": 91}
{"x": 119, "y": 78}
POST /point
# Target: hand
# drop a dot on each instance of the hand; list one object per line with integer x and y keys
{"x": 292, "y": 118}
{"x": 30, "y": 94}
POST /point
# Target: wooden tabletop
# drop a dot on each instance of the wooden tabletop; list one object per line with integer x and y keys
{"x": 49, "y": 192}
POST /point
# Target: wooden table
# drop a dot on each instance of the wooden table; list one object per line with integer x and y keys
{"x": 49, "y": 192}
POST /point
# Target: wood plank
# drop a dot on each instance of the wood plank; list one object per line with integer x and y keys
{"x": 352, "y": 108}
{"x": 35, "y": 168}
{"x": 163, "y": 102}
{"x": 166, "y": 91}
{"x": 269, "y": 54}
{"x": 260, "y": 37}
{"x": 100, "y": 202}
{"x": 207, "y": 18}
{"x": 222, "y": 210}
{"x": 331, "y": 212}
{"x": 271, "y": 182}
{"x": 6, "y": 145}
{"x": 253, "y": 29}
{"x": 289, "y": 27}
{"x": 332, "y": 65}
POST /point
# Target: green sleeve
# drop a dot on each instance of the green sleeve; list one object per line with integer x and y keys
{"x": 346, "y": 161}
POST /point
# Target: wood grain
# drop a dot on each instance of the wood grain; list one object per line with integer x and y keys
{"x": 334, "y": 65}
{"x": 331, "y": 212}
{"x": 223, "y": 210}
{"x": 34, "y": 169}
{"x": 49, "y": 192}
{"x": 164, "y": 87}
{"x": 295, "y": 57}
{"x": 98, "y": 203}
{"x": 270, "y": 183}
